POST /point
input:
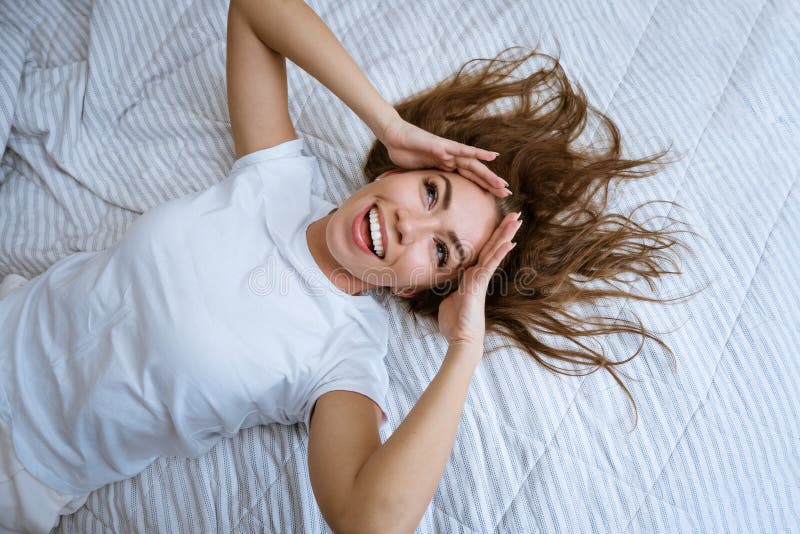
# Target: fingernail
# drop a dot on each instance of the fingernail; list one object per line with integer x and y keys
{"x": 504, "y": 182}
{"x": 496, "y": 153}
{"x": 519, "y": 214}
{"x": 508, "y": 191}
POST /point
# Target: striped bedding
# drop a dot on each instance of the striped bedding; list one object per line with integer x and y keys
{"x": 110, "y": 108}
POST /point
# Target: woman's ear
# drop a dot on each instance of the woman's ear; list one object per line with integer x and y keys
{"x": 405, "y": 292}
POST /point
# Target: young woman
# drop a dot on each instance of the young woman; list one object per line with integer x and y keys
{"x": 243, "y": 304}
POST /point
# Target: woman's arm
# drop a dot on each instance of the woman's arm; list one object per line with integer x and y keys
{"x": 292, "y": 29}
{"x": 397, "y": 483}
{"x": 257, "y": 92}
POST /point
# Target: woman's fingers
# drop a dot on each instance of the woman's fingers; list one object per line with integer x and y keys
{"x": 454, "y": 155}
{"x": 507, "y": 235}
{"x": 494, "y": 251}
{"x": 464, "y": 159}
{"x": 495, "y": 187}
{"x": 484, "y": 273}
{"x": 498, "y": 256}
{"x": 468, "y": 151}
{"x": 466, "y": 173}
{"x": 498, "y": 191}
{"x": 502, "y": 234}
{"x": 476, "y": 167}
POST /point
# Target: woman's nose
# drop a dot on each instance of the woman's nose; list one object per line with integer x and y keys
{"x": 410, "y": 225}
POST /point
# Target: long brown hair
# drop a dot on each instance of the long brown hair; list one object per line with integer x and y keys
{"x": 566, "y": 241}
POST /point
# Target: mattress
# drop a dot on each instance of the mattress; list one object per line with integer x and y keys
{"x": 110, "y": 108}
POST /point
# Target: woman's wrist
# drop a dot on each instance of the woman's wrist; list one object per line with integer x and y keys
{"x": 470, "y": 350}
{"x": 383, "y": 119}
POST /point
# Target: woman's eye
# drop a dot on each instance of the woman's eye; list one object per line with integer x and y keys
{"x": 432, "y": 191}
{"x": 441, "y": 248}
{"x": 441, "y": 251}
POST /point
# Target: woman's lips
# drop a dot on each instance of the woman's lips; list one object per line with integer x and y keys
{"x": 358, "y": 237}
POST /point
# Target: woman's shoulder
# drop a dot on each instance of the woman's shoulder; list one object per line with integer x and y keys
{"x": 286, "y": 169}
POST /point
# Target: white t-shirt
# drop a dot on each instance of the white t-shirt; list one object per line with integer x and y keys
{"x": 208, "y": 316}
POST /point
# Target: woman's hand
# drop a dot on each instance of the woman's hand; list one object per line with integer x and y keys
{"x": 462, "y": 314}
{"x": 412, "y": 147}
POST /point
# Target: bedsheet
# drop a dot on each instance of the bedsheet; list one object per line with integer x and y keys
{"x": 110, "y": 108}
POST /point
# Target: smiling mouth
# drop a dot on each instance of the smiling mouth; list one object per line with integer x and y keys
{"x": 371, "y": 232}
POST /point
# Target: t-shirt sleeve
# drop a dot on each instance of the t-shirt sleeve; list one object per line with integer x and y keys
{"x": 287, "y": 149}
{"x": 286, "y": 164}
{"x": 363, "y": 372}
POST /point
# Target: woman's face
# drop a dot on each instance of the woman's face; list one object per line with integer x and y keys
{"x": 431, "y": 223}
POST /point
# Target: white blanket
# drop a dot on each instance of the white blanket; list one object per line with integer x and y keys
{"x": 110, "y": 108}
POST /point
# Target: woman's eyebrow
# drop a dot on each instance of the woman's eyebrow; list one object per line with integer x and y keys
{"x": 448, "y": 191}
{"x": 459, "y": 247}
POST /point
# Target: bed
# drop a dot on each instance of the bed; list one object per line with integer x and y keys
{"x": 110, "y": 108}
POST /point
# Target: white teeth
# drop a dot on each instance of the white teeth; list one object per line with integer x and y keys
{"x": 375, "y": 232}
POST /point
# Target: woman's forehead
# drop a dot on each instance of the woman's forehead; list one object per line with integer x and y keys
{"x": 473, "y": 211}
